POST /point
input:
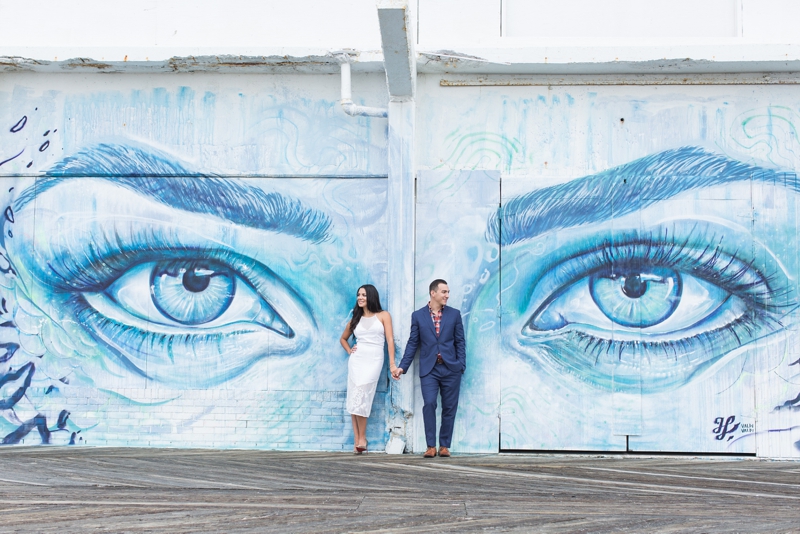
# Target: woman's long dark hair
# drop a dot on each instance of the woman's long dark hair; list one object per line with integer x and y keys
{"x": 373, "y": 305}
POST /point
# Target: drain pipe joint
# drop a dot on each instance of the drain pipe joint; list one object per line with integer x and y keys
{"x": 349, "y": 106}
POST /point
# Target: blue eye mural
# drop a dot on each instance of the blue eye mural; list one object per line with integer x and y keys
{"x": 650, "y": 306}
{"x": 640, "y": 296}
{"x": 165, "y": 299}
{"x": 632, "y": 288}
{"x": 650, "y": 295}
{"x": 137, "y": 274}
{"x": 185, "y": 311}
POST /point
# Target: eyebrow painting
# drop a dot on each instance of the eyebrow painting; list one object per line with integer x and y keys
{"x": 623, "y": 190}
{"x": 156, "y": 176}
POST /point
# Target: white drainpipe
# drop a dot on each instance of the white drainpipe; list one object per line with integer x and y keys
{"x": 347, "y": 101}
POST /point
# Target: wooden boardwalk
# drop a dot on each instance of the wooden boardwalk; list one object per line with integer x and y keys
{"x": 49, "y": 489}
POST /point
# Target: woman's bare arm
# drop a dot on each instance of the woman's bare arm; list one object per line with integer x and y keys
{"x": 386, "y": 319}
{"x": 343, "y": 340}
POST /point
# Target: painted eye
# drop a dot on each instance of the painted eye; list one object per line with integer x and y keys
{"x": 196, "y": 322}
{"x": 192, "y": 292}
{"x": 636, "y": 297}
{"x": 643, "y": 299}
{"x": 644, "y": 313}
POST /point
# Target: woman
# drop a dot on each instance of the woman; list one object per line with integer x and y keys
{"x": 372, "y": 327}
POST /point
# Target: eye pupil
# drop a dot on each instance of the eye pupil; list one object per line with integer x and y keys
{"x": 634, "y": 287}
{"x": 196, "y": 282}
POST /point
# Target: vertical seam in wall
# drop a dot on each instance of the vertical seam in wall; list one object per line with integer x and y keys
{"x": 417, "y": 34}
{"x": 500, "y": 305}
{"x": 414, "y": 248}
{"x": 500, "y": 251}
{"x": 502, "y": 6}
{"x": 739, "y": 7}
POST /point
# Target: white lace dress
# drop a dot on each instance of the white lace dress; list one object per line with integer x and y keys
{"x": 364, "y": 366}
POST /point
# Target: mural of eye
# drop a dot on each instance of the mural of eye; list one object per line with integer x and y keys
{"x": 188, "y": 293}
{"x": 159, "y": 277}
{"x": 192, "y": 292}
{"x": 644, "y": 298}
{"x": 193, "y": 320}
{"x": 636, "y": 297}
{"x": 648, "y": 307}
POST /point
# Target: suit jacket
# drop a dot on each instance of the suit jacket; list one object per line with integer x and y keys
{"x": 450, "y": 343}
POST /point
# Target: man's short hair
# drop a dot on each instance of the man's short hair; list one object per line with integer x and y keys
{"x": 435, "y": 285}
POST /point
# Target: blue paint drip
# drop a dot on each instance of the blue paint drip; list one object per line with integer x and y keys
{"x": 10, "y": 349}
{"x": 62, "y": 420}
{"x": 19, "y": 125}
{"x": 39, "y": 422}
{"x": 11, "y": 401}
{"x": 12, "y": 157}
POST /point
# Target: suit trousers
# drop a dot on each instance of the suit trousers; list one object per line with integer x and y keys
{"x": 440, "y": 379}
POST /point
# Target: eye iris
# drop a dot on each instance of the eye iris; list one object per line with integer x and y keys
{"x": 637, "y": 298}
{"x": 192, "y": 292}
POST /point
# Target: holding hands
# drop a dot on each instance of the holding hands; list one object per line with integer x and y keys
{"x": 397, "y": 372}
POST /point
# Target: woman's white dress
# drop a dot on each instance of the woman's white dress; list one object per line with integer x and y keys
{"x": 364, "y": 366}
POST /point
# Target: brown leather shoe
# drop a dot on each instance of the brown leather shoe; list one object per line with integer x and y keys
{"x": 430, "y": 453}
{"x": 443, "y": 452}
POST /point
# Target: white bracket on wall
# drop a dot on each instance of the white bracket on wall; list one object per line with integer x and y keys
{"x": 397, "y": 42}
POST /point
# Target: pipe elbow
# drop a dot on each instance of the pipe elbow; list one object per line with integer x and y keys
{"x": 349, "y": 106}
{"x": 363, "y": 111}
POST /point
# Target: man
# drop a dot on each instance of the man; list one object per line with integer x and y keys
{"x": 436, "y": 329}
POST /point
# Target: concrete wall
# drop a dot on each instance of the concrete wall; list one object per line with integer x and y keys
{"x": 270, "y": 190}
{"x": 693, "y": 188}
{"x": 618, "y": 229}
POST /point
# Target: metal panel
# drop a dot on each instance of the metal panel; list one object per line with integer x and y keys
{"x": 453, "y": 208}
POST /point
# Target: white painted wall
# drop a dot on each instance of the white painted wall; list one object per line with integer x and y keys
{"x": 443, "y": 22}
{"x": 353, "y": 23}
{"x": 617, "y": 20}
{"x": 451, "y": 22}
{"x": 188, "y": 23}
{"x": 770, "y": 20}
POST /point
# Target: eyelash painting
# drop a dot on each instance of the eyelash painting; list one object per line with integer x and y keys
{"x": 224, "y": 336}
{"x": 649, "y": 309}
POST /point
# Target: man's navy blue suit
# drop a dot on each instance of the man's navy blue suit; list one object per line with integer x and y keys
{"x": 433, "y": 377}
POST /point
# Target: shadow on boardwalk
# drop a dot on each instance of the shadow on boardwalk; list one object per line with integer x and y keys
{"x": 49, "y": 489}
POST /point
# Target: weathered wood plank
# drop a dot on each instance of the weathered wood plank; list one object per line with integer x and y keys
{"x": 170, "y": 490}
